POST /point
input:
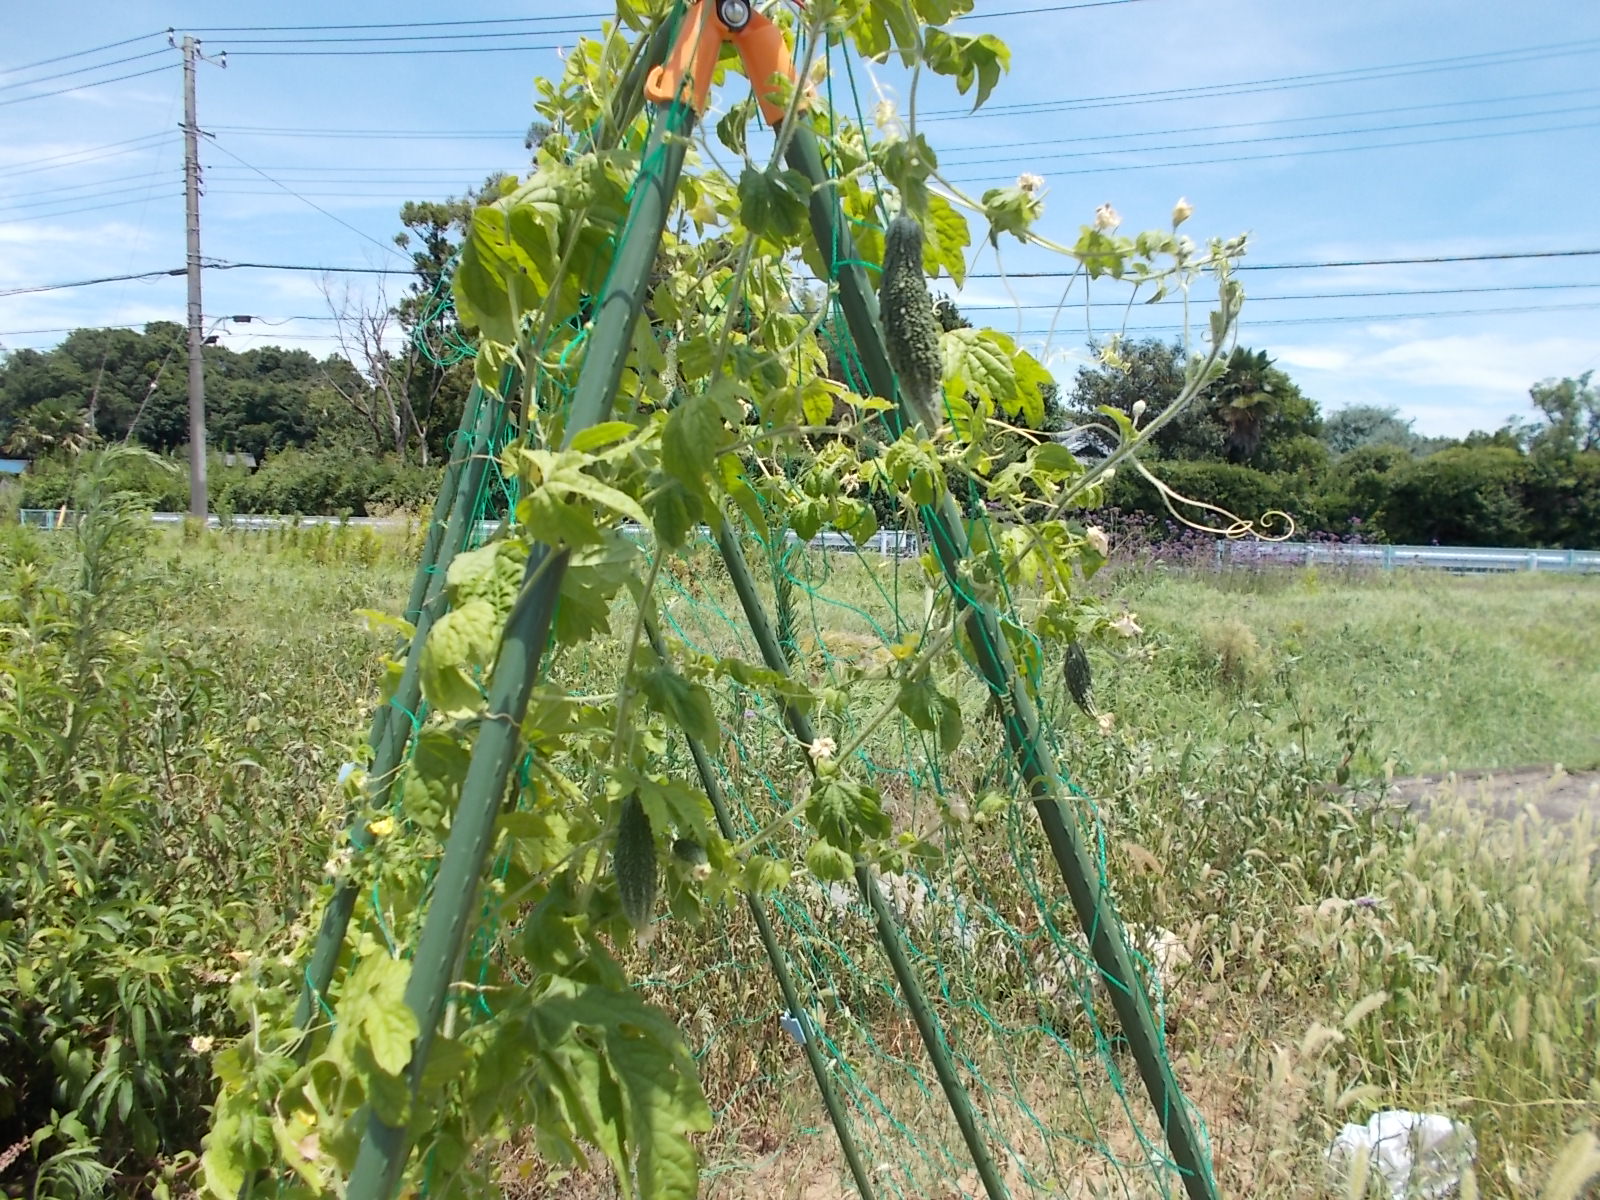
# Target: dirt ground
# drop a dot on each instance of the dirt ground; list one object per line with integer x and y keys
{"x": 1558, "y": 795}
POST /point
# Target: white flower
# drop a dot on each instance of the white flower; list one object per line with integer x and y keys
{"x": 1106, "y": 217}
{"x": 823, "y": 749}
{"x": 1030, "y": 183}
{"x": 1126, "y": 625}
{"x": 1138, "y": 410}
{"x": 1181, "y": 212}
{"x": 885, "y": 115}
{"x": 202, "y": 1043}
{"x": 1097, "y": 538}
{"x": 1105, "y": 722}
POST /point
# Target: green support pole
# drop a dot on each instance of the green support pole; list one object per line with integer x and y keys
{"x": 391, "y": 726}
{"x": 445, "y": 533}
{"x": 384, "y": 1149}
{"x": 389, "y": 734}
{"x": 1107, "y": 939}
{"x": 888, "y": 931}
{"x": 780, "y": 968}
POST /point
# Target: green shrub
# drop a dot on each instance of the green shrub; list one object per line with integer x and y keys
{"x": 1563, "y": 500}
{"x": 1467, "y": 496}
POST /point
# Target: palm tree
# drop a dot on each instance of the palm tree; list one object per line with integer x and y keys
{"x": 1247, "y": 398}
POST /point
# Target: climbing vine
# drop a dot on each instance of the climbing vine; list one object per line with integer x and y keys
{"x": 725, "y": 409}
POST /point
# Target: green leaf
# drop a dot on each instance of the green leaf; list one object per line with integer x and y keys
{"x": 627, "y": 1082}
{"x": 907, "y": 164}
{"x": 772, "y": 203}
{"x": 674, "y": 509}
{"x": 1010, "y": 210}
{"x": 693, "y": 437}
{"x": 762, "y": 875}
{"x": 488, "y": 258}
{"x": 463, "y": 639}
{"x": 969, "y": 59}
{"x": 735, "y": 122}
{"x": 979, "y": 361}
{"x": 607, "y": 433}
{"x": 827, "y": 862}
{"x": 844, "y": 811}
{"x": 375, "y": 1004}
{"x": 594, "y": 575}
{"x": 492, "y": 573}
{"x": 687, "y": 704}
{"x": 1033, "y": 380}
{"x": 929, "y": 709}
{"x": 945, "y": 240}
{"x": 817, "y": 398}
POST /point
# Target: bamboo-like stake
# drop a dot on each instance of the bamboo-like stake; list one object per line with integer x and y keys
{"x": 385, "y": 1147}
{"x": 392, "y": 724}
{"x": 1107, "y": 939}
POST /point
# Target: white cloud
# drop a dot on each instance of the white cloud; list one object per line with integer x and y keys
{"x": 1449, "y": 384}
{"x": 1312, "y": 358}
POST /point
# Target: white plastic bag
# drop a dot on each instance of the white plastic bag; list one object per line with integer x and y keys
{"x": 1418, "y": 1156}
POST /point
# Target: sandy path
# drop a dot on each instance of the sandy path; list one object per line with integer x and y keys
{"x": 1557, "y": 794}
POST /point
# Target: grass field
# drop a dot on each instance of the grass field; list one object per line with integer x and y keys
{"x": 1340, "y": 960}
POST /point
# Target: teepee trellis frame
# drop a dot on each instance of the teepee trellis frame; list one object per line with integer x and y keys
{"x": 671, "y": 72}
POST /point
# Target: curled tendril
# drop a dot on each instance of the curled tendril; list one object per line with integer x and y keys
{"x": 1237, "y": 527}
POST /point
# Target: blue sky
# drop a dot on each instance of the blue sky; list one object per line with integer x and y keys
{"x": 1447, "y": 130}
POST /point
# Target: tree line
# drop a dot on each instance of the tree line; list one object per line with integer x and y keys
{"x": 1256, "y": 443}
{"x": 362, "y": 431}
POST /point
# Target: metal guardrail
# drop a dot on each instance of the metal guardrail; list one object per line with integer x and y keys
{"x": 904, "y": 543}
{"x": 1389, "y": 558}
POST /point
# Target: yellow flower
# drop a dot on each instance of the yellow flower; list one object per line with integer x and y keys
{"x": 381, "y": 826}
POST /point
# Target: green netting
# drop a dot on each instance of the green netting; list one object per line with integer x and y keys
{"x": 992, "y": 938}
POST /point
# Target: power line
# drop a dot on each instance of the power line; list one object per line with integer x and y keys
{"x": 304, "y": 200}
{"x": 115, "y": 62}
{"x": 74, "y": 188}
{"x": 408, "y": 50}
{"x": 100, "y": 195}
{"x": 1311, "y": 151}
{"x": 1493, "y": 256}
{"x": 1257, "y": 124}
{"x": 371, "y": 134}
{"x": 91, "y": 84}
{"x": 586, "y": 16}
{"x": 1342, "y": 319}
{"x": 1314, "y": 133}
{"x": 1281, "y": 82}
{"x": 1250, "y": 300}
{"x": 1029, "y": 12}
{"x": 1238, "y": 158}
{"x": 45, "y": 62}
{"x": 391, "y": 167}
{"x": 412, "y": 37}
{"x": 255, "y": 266}
{"x": 57, "y": 162}
{"x": 1329, "y": 264}
{"x": 35, "y": 289}
{"x": 67, "y": 212}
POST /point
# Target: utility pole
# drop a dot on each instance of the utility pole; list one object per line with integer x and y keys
{"x": 199, "y": 504}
